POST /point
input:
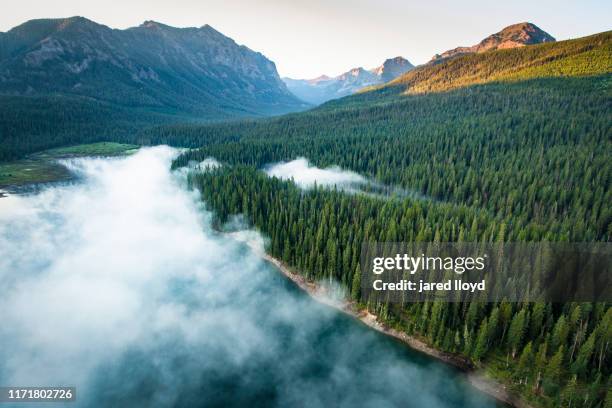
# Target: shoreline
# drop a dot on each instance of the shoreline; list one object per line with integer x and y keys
{"x": 476, "y": 378}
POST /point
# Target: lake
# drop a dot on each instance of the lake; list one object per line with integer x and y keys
{"x": 117, "y": 284}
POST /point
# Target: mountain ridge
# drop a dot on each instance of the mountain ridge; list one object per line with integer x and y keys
{"x": 194, "y": 69}
{"x": 319, "y": 90}
{"x": 323, "y": 88}
{"x": 584, "y": 56}
{"x": 578, "y": 57}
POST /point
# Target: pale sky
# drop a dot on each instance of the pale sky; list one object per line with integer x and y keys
{"x": 307, "y": 38}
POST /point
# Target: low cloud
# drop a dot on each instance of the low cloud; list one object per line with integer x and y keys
{"x": 307, "y": 175}
{"x": 208, "y": 163}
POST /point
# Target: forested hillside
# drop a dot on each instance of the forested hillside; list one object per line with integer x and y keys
{"x": 554, "y": 354}
{"x": 30, "y": 124}
{"x": 536, "y": 151}
{"x": 584, "y": 56}
{"x": 521, "y": 160}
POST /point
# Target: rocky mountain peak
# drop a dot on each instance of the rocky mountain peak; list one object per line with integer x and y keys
{"x": 150, "y": 24}
{"x": 321, "y": 78}
{"x": 324, "y": 88}
{"x": 392, "y": 68}
{"x": 513, "y": 36}
{"x": 524, "y": 33}
{"x": 151, "y": 65}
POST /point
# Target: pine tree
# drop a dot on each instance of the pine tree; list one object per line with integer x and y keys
{"x": 482, "y": 341}
{"x": 584, "y": 356}
{"x": 560, "y": 332}
{"x": 540, "y": 364}
{"x": 356, "y": 285}
{"x": 516, "y": 332}
{"x": 525, "y": 363}
{"x": 568, "y": 396}
{"x": 553, "y": 371}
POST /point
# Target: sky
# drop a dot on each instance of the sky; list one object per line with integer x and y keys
{"x": 307, "y": 38}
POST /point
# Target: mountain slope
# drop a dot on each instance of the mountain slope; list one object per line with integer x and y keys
{"x": 195, "y": 70}
{"x": 516, "y": 35}
{"x": 580, "y": 57}
{"x": 324, "y": 88}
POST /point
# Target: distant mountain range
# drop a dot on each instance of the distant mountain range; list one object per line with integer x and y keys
{"x": 196, "y": 71}
{"x": 324, "y": 88}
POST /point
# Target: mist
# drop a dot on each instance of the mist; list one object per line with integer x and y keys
{"x": 307, "y": 175}
{"x": 118, "y": 285}
{"x": 208, "y": 163}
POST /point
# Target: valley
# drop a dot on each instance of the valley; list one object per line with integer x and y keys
{"x": 212, "y": 193}
{"x": 490, "y": 155}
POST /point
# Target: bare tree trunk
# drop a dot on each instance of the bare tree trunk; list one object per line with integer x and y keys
{"x": 577, "y": 337}
{"x": 536, "y": 384}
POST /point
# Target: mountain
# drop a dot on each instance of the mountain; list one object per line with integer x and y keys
{"x": 194, "y": 71}
{"x": 324, "y": 88}
{"x": 511, "y": 77}
{"x": 392, "y": 68}
{"x": 516, "y": 35}
{"x": 585, "y": 56}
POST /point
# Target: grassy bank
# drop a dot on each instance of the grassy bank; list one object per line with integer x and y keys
{"x": 43, "y": 167}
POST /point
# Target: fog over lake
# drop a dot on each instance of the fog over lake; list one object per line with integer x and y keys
{"x": 117, "y": 284}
